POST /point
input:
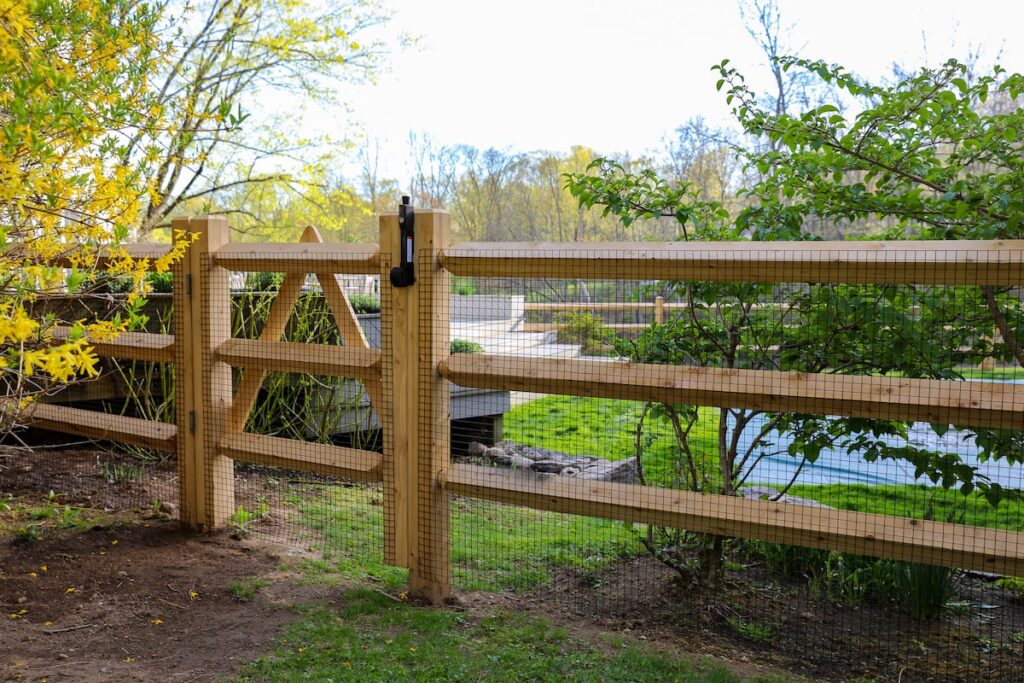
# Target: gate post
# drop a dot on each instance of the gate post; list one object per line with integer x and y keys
{"x": 416, "y": 415}
{"x": 202, "y": 321}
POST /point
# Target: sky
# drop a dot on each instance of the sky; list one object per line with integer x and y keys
{"x": 533, "y": 75}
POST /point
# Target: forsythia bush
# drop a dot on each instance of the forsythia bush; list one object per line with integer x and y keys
{"x": 75, "y": 99}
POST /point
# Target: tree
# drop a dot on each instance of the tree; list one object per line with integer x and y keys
{"x": 918, "y": 152}
{"x": 213, "y": 87}
{"x": 74, "y": 85}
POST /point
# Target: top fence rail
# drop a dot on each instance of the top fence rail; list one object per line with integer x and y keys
{"x": 988, "y": 262}
{"x": 920, "y": 262}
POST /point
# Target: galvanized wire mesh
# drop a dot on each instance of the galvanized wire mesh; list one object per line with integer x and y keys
{"x": 624, "y": 447}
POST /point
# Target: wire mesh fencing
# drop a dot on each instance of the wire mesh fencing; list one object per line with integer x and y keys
{"x": 862, "y": 409}
{"x": 812, "y": 452}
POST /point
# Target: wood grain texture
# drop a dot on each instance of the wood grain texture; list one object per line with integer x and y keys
{"x": 299, "y": 258}
{"x": 950, "y": 545}
{"x": 141, "y": 346}
{"x": 104, "y": 426}
{"x": 978, "y": 262}
{"x": 966, "y": 404}
{"x": 289, "y": 454}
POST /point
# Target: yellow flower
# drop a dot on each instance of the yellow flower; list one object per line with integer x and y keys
{"x": 70, "y": 590}
{"x": 156, "y": 621}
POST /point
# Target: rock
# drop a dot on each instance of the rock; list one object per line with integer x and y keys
{"x": 583, "y": 460}
{"x": 768, "y": 493}
{"x": 519, "y": 462}
{"x": 122, "y": 574}
{"x": 22, "y": 599}
{"x": 550, "y": 466}
{"x": 535, "y": 454}
{"x": 570, "y": 472}
{"x": 61, "y": 656}
{"x": 476, "y": 449}
{"x": 622, "y": 471}
{"x": 497, "y": 455}
{"x": 149, "y": 513}
{"x": 169, "y": 508}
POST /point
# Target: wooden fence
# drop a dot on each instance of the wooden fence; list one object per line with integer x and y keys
{"x": 407, "y": 381}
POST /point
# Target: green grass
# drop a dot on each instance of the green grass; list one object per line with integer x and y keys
{"x": 497, "y": 547}
{"x": 245, "y": 590}
{"x": 494, "y": 547}
{"x": 373, "y": 638}
{"x": 351, "y": 523}
{"x": 607, "y": 428}
{"x": 589, "y": 426}
{"x": 997, "y": 373}
{"x": 912, "y": 501}
{"x": 27, "y": 523}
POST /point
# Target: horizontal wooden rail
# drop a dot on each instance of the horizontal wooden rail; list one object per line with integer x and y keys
{"x": 917, "y": 262}
{"x": 966, "y": 404}
{"x": 597, "y": 306}
{"x": 104, "y": 426}
{"x": 938, "y": 543}
{"x": 307, "y": 257}
{"x": 289, "y": 454}
{"x": 308, "y": 359}
{"x": 637, "y": 306}
{"x": 137, "y": 251}
{"x": 554, "y": 327}
{"x": 144, "y": 346}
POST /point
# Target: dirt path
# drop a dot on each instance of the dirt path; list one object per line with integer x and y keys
{"x": 142, "y": 601}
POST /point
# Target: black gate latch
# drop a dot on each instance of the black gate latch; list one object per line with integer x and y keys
{"x": 402, "y": 275}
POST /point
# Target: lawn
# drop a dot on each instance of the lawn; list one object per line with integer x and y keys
{"x": 373, "y": 637}
{"x": 607, "y": 428}
{"x": 494, "y": 547}
{"x": 590, "y": 426}
{"x": 912, "y": 501}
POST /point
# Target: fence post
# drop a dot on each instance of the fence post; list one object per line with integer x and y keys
{"x": 415, "y": 413}
{"x": 202, "y": 321}
{"x": 659, "y": 310}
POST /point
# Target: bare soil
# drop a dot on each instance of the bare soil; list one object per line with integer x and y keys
{"x": 137, "y": 601}
{"x": 129, "y": 595}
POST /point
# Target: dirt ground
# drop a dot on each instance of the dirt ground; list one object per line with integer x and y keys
{"x": 142, "y": 601}
{"x": 131, "y": 597}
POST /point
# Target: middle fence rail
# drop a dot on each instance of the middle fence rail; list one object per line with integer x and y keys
{"x": 407, "y": 382}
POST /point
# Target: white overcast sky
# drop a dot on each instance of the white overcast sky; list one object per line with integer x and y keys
{"x": 617, "y": 76}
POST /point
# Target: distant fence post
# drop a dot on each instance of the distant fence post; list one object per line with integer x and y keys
{"x": 202, "y": 321}
{"x": 659, "y": 310}
{"x": 415, "y": 414}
